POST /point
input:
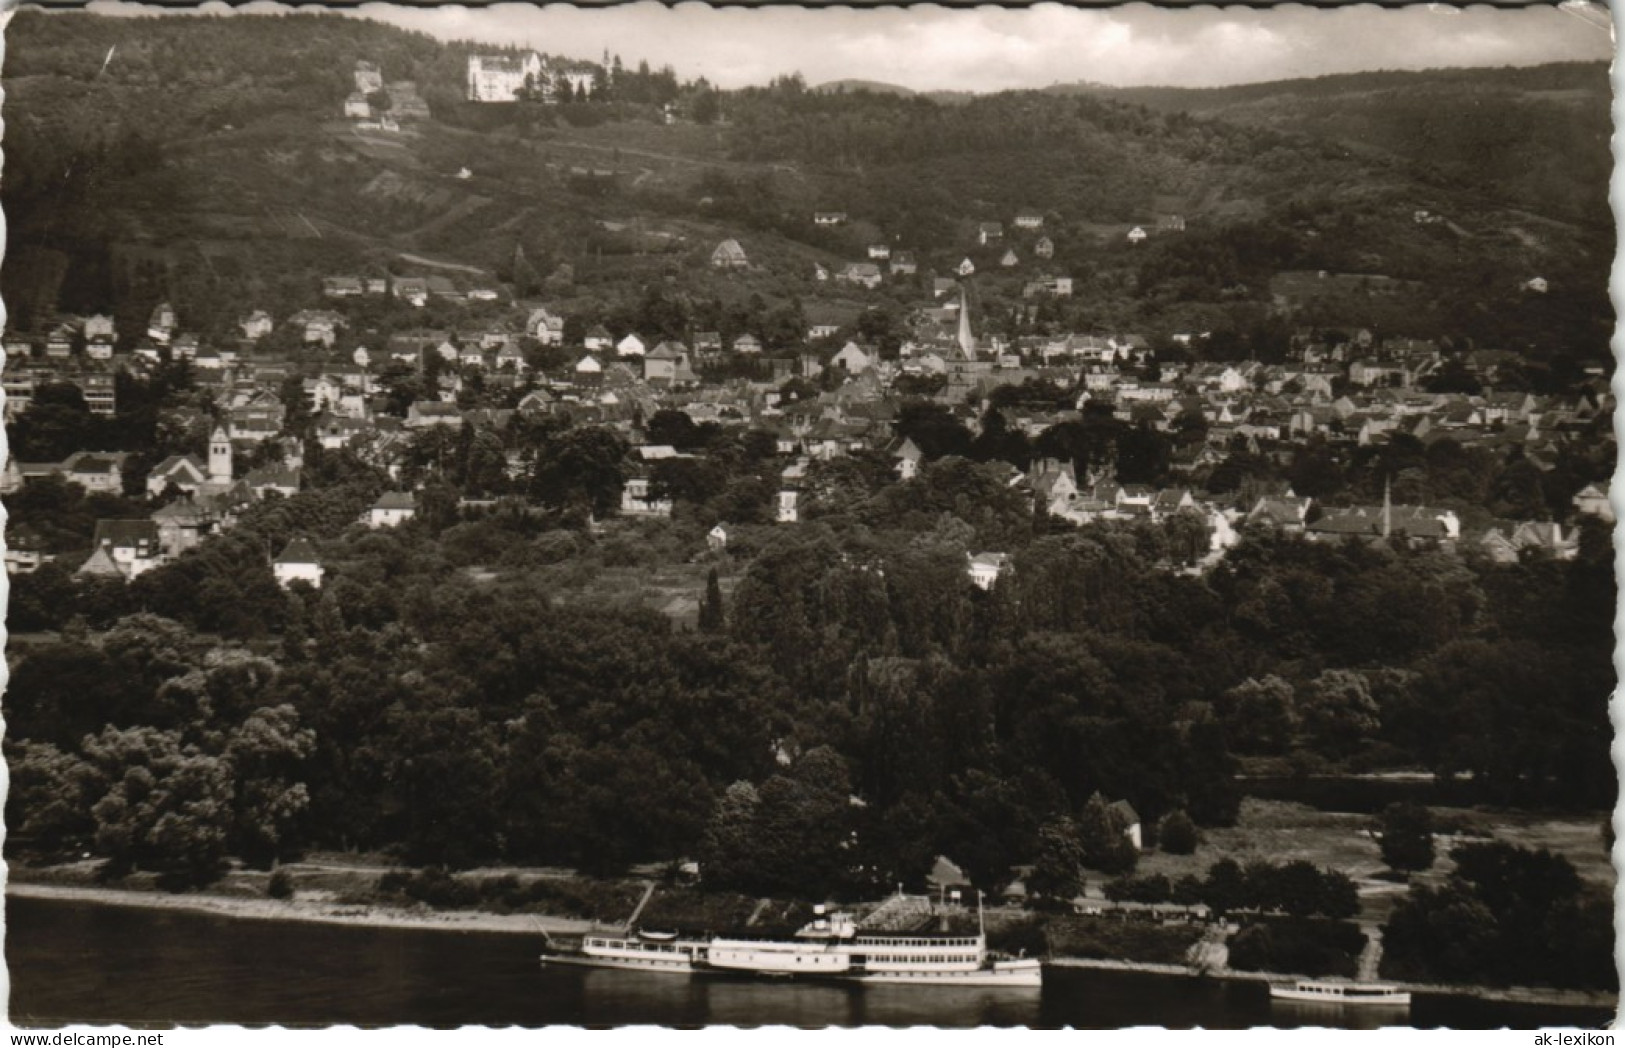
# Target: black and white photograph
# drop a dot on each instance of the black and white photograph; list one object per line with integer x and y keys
{"x": 1031, "y": 517}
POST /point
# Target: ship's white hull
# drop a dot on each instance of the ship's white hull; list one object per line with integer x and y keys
{"x": 1342, "y": 995}
{"x": 1011, "y": 977}
{"x": 1012, "y": 974}
{"x": 827, "y": 950}
{"x": 640, "y": 964}
{"x": 1015, "y": 975}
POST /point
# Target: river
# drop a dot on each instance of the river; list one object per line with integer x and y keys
{"x": 76, "y": 962}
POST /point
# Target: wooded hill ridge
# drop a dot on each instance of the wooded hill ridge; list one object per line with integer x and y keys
{"x": 204, "y": 161}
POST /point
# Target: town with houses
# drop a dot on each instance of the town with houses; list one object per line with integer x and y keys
{"x": 828, "y": 395}
{"x": 1344, "y": 390}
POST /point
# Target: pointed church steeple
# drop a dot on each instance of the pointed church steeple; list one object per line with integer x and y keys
{"x": 967, "y": 341}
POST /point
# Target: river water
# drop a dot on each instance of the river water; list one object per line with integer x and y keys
{"x": 75, "y": 962}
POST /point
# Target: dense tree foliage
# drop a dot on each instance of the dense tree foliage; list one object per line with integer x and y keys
{"x": 1307, "y": 947}
{"x": 1407, "y": 837}
{"x": 1296, "y": 889}
{"x": 1506, "y": 915}
{"x": 549, "y": 722}
{"x": 1177, "y": 834}
{"x": 224, "y": 778}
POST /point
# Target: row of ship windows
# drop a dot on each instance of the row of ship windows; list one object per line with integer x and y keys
{"x": 641, "y": 947}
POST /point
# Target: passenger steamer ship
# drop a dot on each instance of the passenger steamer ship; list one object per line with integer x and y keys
{"x": 830, "y": 947}
{"x": 1338, "y": 992}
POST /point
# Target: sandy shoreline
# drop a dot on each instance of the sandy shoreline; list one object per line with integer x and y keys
{"x": 322, "y": 911}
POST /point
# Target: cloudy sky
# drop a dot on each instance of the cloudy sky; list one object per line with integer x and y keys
{"x": 985, "y": 49}
{"x": 990, "y": 48}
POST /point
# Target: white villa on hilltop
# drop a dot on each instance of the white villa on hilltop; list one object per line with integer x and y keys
{"x": 502, "y": 78}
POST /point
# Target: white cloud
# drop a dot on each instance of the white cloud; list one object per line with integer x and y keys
{"x": 990, "y": 48}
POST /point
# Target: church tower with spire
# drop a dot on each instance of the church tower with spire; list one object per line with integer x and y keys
{"x": 967, "y": 341}
{"x": 220, "y": 457}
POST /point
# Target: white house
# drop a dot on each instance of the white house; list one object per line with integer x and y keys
{"x": 545, "y": 327}
{"x": 984, "y": 568}
{"x": 256, "y": 325}
{"x": 184, "y": 471}
{"x": 636, "y": 500}
{"x": 1131, "y": 822}
{"x": 588, "y": 371}
{"x": 99, "y": 327}
{"x": 502, "y": 78}
{"x": 1592, "y": 501}
{"x": 298, "y": 563}
{"x": 865, "y": 274}
{"x": 392, "y": 508}
{"x": 852, "y": 359}
{"x": 161, "y": 324}
{"x": 123, "y": 548}
{"x": 909, "y": 457}
{"x": 729, "y": 255}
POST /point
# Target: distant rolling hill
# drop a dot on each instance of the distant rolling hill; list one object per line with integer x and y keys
{"x": 874, "y": 87}
{"x": 1536, "y": 136}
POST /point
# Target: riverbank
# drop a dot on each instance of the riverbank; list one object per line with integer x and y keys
{"x": 1501, "y": 994}
{"x": 313, "y": 906}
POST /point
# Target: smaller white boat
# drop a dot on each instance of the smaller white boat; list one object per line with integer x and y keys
{"x": 1329, "y": 991}
{"x": 641, "y": 950}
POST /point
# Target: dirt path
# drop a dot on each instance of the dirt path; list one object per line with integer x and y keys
{"x": 421, "y": 261}
{"x": 1371, "y": 956}
{"x": 1211, "y": 953}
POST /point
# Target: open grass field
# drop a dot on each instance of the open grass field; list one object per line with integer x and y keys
{"x": 674, "y": 590}
{"x": 1281, "y": 831}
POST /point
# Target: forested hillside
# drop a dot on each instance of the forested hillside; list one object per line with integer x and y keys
{"x": 1537, "y": 136}
{"x": 205, "y": 162}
